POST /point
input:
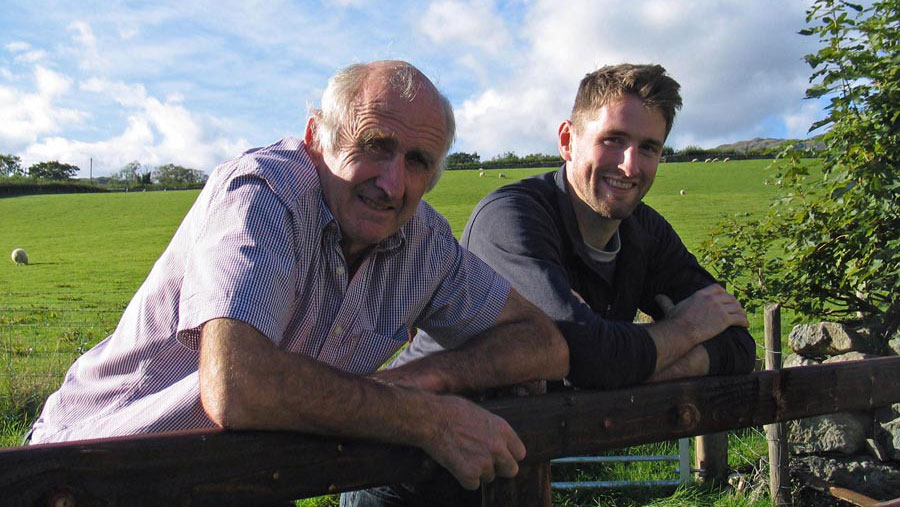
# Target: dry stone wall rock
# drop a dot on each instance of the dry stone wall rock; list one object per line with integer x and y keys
{"x": 862, "y": 474}
{"x": 795, "y": 360}
{"x": 843, "y": 432}
{"x": 829, "y": 339}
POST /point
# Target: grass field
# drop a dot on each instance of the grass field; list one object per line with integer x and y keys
{"x": 90, "y": 252}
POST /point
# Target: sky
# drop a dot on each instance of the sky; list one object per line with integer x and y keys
{"x": 102, "y": 83}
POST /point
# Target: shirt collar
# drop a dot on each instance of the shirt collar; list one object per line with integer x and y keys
{"x": 327, "y": 222}
{"x": 631, "y": 234}
{"x": 567, "y": 213}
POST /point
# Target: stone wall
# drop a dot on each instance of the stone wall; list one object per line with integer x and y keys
{"x": 855, "y": 450}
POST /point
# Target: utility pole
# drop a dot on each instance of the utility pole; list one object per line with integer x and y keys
{"x": 92, "y": 171}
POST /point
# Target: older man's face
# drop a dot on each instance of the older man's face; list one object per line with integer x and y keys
{"x": 387, "y": 154}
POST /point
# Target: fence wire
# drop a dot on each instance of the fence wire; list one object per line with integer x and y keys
{"x": 41, "y": 334}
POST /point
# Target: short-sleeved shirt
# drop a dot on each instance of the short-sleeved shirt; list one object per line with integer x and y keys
{"x": 528, "y": 232}
{"x": 261, "y": 246}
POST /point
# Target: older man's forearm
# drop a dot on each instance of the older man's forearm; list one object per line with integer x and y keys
{"x": 248, "y": 383}
{"x": 522, "y": 346}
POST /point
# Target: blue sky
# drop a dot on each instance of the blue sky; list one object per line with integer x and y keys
{"x": 196, "y": 83}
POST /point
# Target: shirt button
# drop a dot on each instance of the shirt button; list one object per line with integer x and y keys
{"x": 337, "y": 330}
{"x": 339, "y": 270}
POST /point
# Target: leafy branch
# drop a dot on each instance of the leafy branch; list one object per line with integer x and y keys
{"x": 829, "y": 245}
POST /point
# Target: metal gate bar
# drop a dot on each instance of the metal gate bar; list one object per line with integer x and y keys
{"x": 684, "y": 469}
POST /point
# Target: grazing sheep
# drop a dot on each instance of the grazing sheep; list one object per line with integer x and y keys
{"x": 682, "y": 191}
{"x": 481, "y": 174}
{"x": 707, "y": 160}
{"x": 695, "y": 160}
{"x": 726, "y": 159}
{"x": 501, "y": 175}
{"x": 715, "y": 159}
{"x": 19, "y": 257}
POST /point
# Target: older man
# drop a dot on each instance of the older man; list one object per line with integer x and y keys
{"x": 296, "y": 273}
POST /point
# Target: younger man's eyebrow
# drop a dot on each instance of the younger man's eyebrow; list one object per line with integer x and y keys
{"x": 656, "y": 143}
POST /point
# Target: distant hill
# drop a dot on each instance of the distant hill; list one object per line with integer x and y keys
{"x": 762, "y": 145}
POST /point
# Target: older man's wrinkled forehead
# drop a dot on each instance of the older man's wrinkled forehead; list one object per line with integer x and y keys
{"x": 398, "y": 80}
{"x": 409, "y": 103}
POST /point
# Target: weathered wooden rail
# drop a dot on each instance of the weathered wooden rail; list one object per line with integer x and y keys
{"x": 247, "y": 468}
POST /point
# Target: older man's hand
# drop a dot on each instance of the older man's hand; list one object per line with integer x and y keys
{"x": 471, "y": 443}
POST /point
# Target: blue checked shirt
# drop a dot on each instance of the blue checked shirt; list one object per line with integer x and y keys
{"x": 259, "y": 245}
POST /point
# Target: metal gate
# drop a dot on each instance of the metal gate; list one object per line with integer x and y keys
{"x": 684, "y": 469}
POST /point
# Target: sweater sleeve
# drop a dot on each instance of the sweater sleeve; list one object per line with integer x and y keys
{"x": 675, "y": 272}
{"x": 517, "y": 236}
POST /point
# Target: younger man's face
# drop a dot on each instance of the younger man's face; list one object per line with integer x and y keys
{"x": 612, "y": 159}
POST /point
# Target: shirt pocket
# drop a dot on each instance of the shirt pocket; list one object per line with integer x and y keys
{"x": 369, "y": 350}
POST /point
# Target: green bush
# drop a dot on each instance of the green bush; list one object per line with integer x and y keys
{"x": 829, "y": 246}
{"x": 19, "y": 185}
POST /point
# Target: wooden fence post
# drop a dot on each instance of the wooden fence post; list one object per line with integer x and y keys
{"x": 531, "y": 486}
{"x": 711, "y": 453}
{"x": 776, "y": 433}
{"x": 711, "y": 457}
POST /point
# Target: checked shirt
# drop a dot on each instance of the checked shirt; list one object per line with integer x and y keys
{"x": 260, "y": 245}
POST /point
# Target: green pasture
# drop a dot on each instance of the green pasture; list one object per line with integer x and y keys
{"x": 89, "y": 253}
{"x": 712, "y": 191}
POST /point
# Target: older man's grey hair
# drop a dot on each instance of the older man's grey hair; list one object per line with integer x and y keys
{"x": 345, "y": 86}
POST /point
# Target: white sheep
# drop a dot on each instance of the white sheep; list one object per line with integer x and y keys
{"x": 19, "y": 257}
{"x": 481, "y": 174}
{"x": 726, "y": 159}
{"x": 682, "y": 191}
{"x": 715, "y": 159}
{"x": 501, "y": 175}
{"x": 707, "y": 160}
{"x": 695, "y": 160}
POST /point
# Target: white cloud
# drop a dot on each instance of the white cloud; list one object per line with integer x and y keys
{"x": 738, "y": 65}
{"x": 87, "y": 50}
{"x": 23, "y": 52}
{"x": 349, "y": 3}
{"x": 128, "y": 32}
{"x": 157, "y": 132}
{"x": 51, "y": 84}
{"x": 83, "y": 33}
{"x": 473, "y": 23}
{"x": 798, "y": 121}
{"x": 25, "y": 116}
{"x": 168, "y": 82}
{"x": 17, "y": 47}
{"x": 131, "y": 96}
{"x": 498, "y": 121}
{"x": 31, "y": 56}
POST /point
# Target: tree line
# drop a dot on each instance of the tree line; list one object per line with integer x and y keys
{"x": 132, "y": 174}
{"x": 464, "y": 160}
